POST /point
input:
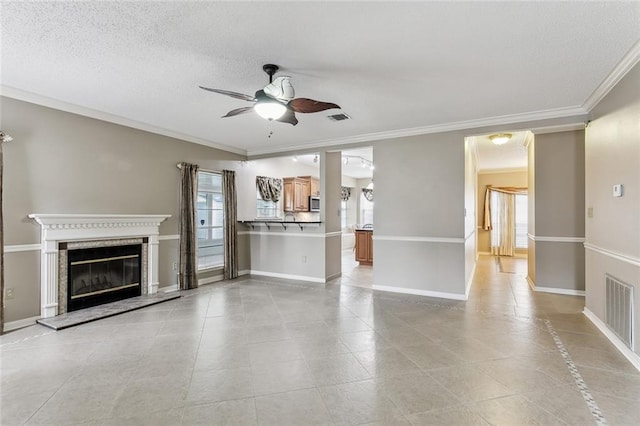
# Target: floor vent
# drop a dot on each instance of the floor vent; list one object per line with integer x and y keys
{"x": 619, "y": 309}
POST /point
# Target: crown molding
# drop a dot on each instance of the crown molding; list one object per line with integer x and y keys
{"x": 559, "y": 128}
{"x": 21, "y": 95}
{"x": 495, "y": 171}
{"x": 627, "y": 62}
{"x": 424, "y": 130}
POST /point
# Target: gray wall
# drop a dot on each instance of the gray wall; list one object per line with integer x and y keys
{"x": 419, "y": 214}
{"x": 470, "y": 210}
{"x": 510, "y": 178}
{"x": 559, "y": 212}
{"x": 330, "y": 190}
{"x": 60, "y": 162}
{"x": 613, "y": 157}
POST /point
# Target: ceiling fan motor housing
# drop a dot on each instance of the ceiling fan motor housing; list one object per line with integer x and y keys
{"x": 270, "y": 69}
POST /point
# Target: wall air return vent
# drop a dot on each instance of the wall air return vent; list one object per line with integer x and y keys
{"x": 339, "y": 117}
{"x": 619, "y": 309}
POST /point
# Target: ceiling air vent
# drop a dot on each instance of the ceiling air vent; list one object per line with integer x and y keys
{"x": 338, "y": 117}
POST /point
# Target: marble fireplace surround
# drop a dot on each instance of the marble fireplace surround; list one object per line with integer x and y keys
{"x": 83, "y": 228}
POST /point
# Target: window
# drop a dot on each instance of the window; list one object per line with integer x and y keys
{"x": 343, "y": 214}
{"x": 366, "y": 210}
{"x": 267, "y": 209}
{"x": 521, "y": 221}
{"x": 210, "y": 220}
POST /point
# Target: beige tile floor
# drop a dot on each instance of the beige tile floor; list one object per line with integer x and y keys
{"x": 273, "y": 352}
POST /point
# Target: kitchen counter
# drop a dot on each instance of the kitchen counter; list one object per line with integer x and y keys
{"x": 284, "y": 223}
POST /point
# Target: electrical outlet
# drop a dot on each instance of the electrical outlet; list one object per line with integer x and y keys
{"x": 304, "y": 259}
{"x": 175, "y": 266}
{"x": 590, "y": 212}
{"x": 8, "y": 293}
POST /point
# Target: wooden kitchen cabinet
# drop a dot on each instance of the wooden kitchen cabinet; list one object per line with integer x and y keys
{"x": 297, "y": 191}
{"x": 364, "y": 246}
{"x": 288, "y": 190}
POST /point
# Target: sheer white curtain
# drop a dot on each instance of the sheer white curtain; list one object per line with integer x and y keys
{"x": 503, "y": 223}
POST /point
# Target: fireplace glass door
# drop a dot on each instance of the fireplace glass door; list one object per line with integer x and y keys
{"x": 102, "y": 275}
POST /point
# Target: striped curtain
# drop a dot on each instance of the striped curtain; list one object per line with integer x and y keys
{"x": 230, "y": 224}
{"x": 188, "y": 229}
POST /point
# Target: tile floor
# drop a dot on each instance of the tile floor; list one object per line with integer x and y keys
{"x": 273, "y": 352}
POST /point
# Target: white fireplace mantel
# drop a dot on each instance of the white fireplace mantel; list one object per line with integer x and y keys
{"x": 56, "y": 228}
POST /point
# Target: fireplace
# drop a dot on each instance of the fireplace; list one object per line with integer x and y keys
{"x": 71, "y": 242}
{"x": 103, "y": 274}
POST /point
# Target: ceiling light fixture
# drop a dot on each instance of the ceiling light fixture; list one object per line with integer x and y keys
{"x": 500, "y": 138}
{"x": 270, "y": 110}
{"x": 363, "y": 161}
{"x": 315, "y": 159}
{"x": 295, "y": 159}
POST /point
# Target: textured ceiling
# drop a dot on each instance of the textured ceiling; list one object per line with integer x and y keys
{"x": 392, "y": 66}
{"x": 510, "y": 156}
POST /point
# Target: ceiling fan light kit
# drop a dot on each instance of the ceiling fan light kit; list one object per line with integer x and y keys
{"x": 500, "y": 138}
{"x": 276, "y": 100}
{"x": 270, "y": 110}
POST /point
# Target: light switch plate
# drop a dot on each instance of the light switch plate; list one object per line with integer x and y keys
{"x": 617, "y": 190}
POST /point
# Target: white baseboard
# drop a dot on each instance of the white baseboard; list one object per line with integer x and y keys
{"x": 287, "y": 276}
{"x": 14, "y": 325}
{"x": 333, "y": 277}
{"x": 469, "y": 282}
{"x": 169, "y": 289}
{"x": 484, "y": 253}
{"x": 210, "y": 280}
{"x": 531, "y": 283}
{"x": 554, "y": 290}
{"x": 633, "y": 358}
{"x": 428, "y": 293}
{"x": 243, "y": 272}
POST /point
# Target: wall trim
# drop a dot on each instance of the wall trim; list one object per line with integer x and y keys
{"x": 287, "y": 276}
{"x": 168, "y": 237}
{"x": 210, "y": 280}
{"x": 559, "y": 128}
{"x": 555, "y": 239}
{"x": 436, "y": 128}
{"x": 632, "y": 260}
{"x": 171, "y": 288}
{"x": 416, "y": 292}
{"x": 497, "y": 171}
{"x": 333, "y": 277}
{"x": 333, "y": 234}
{"x": 21, "y": 95}
{"x": 469, "y": 235}
{"x": 633, "y": 358}
{"x": 469, "y": 282}
{"x": 14, "y": 325}
{"x": 418, "y": 239}
{"x": 619, "y": 71}
{"x": 15, "y": 248}
{"x": 284, "y": 234}
{"x": 485, "y": 253}
{"x": 531, "y": 283}
{"x": 555, "y": 290}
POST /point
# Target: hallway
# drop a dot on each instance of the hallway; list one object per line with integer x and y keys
{"x": 275, "y": 352}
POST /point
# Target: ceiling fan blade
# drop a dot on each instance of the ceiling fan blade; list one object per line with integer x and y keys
{"x": 238, "y": 111}
{"x": 309, "y": 105}
{"x": 236, "y": 95}
{"x": 288, "y": 117}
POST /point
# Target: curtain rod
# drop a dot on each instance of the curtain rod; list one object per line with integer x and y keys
{"x": 200, "y": 169}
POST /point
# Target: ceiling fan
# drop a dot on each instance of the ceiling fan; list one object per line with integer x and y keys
{"x": 276, "y": 100}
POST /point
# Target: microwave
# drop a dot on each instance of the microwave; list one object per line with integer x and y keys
{"x": 314, "y": 204}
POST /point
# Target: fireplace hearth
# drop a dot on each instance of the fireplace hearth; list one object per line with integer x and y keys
{"x": 103, "y": 274}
